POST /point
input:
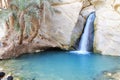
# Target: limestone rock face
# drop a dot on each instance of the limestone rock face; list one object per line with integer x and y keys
{"x": 56, "y": 30}
{"x": 107, "y": 27}
{"x": 60, "y": 25}
{"x": 2, "y": 30}
{"x": 77, "y": 31}
{"x": 65, "y": 25}
{"x": 64, "y": 22}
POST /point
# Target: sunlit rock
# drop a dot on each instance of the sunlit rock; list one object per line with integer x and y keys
{"x": 87, "y": 10}
{"x": 107, "y": 30}
{"x": 55, "y": 30}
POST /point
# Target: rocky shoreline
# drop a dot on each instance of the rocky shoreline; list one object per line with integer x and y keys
{"x": 3, "y": 76}
{"x": 109, "y": 75}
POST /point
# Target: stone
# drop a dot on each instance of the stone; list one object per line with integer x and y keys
{"x": 113, "y": 75}
{"x": 10, "y": 78}
{"x": 2, "y": 74}
{"x": 108, "y": 74}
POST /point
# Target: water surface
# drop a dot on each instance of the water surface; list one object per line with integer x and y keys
{"x": 60, "y": 65}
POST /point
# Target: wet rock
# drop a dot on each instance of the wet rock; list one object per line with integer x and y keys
{"x": 113, "y": 74}
{"x": 108, "y": 74}
{"x": 10, "y": 78}
{"x": 2, "y": 74}
{"x": 116, "y": 76}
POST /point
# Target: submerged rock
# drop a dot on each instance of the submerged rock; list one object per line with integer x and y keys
{"x": 109, "y": 76}
{"x": 113, "y": 74}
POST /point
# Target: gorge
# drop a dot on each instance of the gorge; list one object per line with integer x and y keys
{"x": 60, "y": 29}
{"x": 29, "y": 29}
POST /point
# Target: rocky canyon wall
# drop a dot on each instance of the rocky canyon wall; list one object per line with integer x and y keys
{"x": 107, "y": 27}
{"x": 55, "y": 31}
{"x": 62, "y": 28}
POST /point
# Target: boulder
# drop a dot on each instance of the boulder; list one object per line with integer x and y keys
{"x": 2, "y": 74}
{"x": 61, "y": 24}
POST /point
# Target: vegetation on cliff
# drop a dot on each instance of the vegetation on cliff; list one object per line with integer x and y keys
{"x": 24, "y": 16}
{"x": 32, "y": 26}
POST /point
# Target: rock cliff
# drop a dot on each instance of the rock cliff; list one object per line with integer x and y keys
{"x": 55, "y": 31}
{"x": 62, "y": 28}
{"x": 107, "y": 27}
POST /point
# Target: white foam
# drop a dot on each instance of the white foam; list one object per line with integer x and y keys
{"x": 80, "y": 52}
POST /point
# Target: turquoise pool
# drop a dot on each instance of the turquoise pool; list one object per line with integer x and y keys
{"x": 60, "y": 65}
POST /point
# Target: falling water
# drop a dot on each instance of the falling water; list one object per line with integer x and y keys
{"x": 86, "y": 41}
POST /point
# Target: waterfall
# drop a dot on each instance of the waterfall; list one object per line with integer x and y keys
{"x": 86, "y": 40}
